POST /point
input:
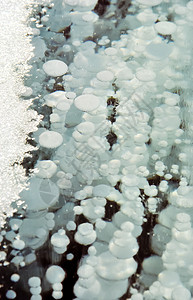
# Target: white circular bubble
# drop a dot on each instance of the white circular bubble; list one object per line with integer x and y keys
{"x": 57, "y": 294}
{"x": 53, "y": 98}
{"x": 190, "y": 5}
{"x": 87, "y": 102}
{"x": 105, "y": 75}
{"x": 90, "y": 17}
{"x": 123, "y": 245}
{"x": 181, "y": 293}
{"x": 50, "y": 139}
{"x": 145, "y": 75}
{"x": 18, "y": 244}
{"x": 10, "y": 294}
{"x": 69, "y": 256}
{"x": 55, "y": 68}
{"x": 57, "y": 286}
{"x": 50, "y": 224}
{"x": 2, "y": 255}
{"x": 111, "y": 268}
{"x": 78, "y": 210}
{"x": 149, "y": 2}
{"x": 71, "y": 225}
{"x": 165, "y": 28}
{"x": 59, "y": 240}
{"x": 86, "y": 128}
{"x": 183, "y": 218}
{"x": 153, "y": 265}
{"x": 151, "y": 190}
{"x": 55, "y": 274}
{"x": 100, "y": 224}
{"x": 50, "y": 216}
{"x": 15, "y": 277}
{"x": 34, "y": 281}
{"x": 85, "y": 235}
{"x": 85, "y": 271}
{"x": 127, "y": 226}
{"x": 35, "y": 290}
{"x": 147, "y": 17}
{"x": 101, "y": 190}
{"x": 87, "y": 3}
{"x": 71, "y": 2}
{"x": 62, "y": 106}
{"x": 46, "y": 168}
{"x": 169, "y": 278}
{"x": 15, "y": 224}
{"x": 110, "y": 51}
{"x": 85, "y": 228}
{"x": 92, "y": 251}
{"x": 36, "y": 297}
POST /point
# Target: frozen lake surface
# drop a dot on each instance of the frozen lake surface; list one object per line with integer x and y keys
{"x": 108, "y": 213}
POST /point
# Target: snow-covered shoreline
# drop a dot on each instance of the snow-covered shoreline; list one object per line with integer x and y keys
{"x": 16, "y": 120}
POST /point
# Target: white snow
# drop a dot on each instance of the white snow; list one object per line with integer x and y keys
{"x": 16, "y": 121}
